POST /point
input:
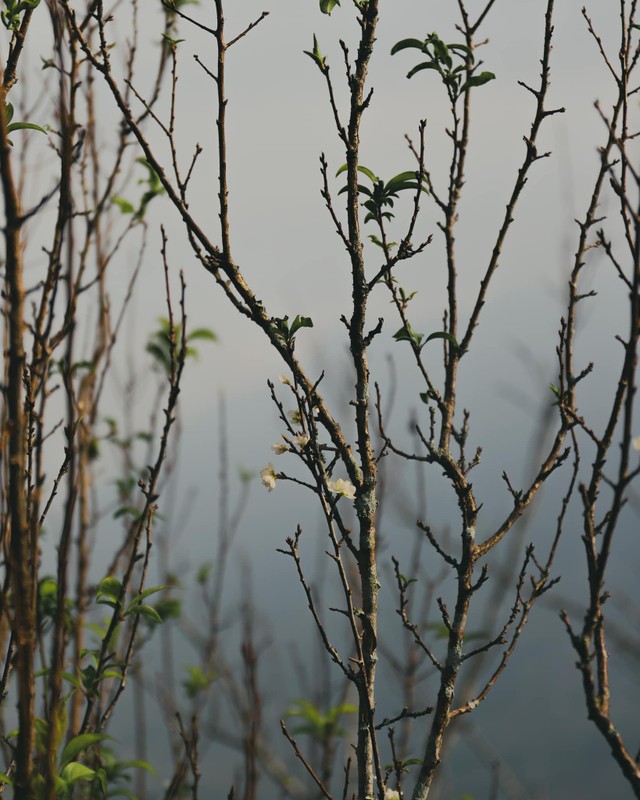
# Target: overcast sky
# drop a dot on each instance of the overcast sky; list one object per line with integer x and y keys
{"x": 279, "y": 124}
{"x": 285, "y": 243}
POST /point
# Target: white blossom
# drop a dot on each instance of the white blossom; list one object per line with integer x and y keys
{"x": 391, "y": 794}
{"x": 295, "y": 416}
{"x": 302, "y": 440}
{"x": 284, "y": 380}
{"x": 279, "y": 448}
{"x": 268, "y": 477}
{"x": 343, "y": 488}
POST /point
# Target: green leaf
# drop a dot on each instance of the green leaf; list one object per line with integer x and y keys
{"x": 9, "y": 111}
{"x": 406, "y": 582}
{"x": 72, "y": 679}
{"x": 316, "y": 55}
{"x": 168, "y": 608}
{"x": 477, "y": 80}
{"x": 441, "y": 50}
{"x": 364, "y": 170}
{"x": 197, "y": 681}
{"x": 443, "y": 335}
{"x": 120, "y": 512}
{"x": 327, "y": 6}
{"x": 319, "y": 725}
{"x": 390, "y": 245}
{"x": 463, "y": 49}
{"x": 170, "y": 41}
{"x": 138, "y": 763}
{"x": 424, "y": 65}
{"x": 75, "y": 772}
{"x": 402, "y": 178}
{"x": 361, "y": 190}
{"x": 300, "y": 322}
{"x": 124, "y": 205}
{"x": 148, "y": 592}
{"x": 405, "y": 44}
{"x": 22, "y": 126}
{"x": 146, "y": 611}
{"x": 109, "y": 587}
{"x": 203, "y": 573}
{"x": 79, "y": 744}
{"x": 203, "y": 333}
{"x": 407, "y": 334}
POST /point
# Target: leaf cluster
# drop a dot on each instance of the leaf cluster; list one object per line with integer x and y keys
{"x": 9, "y": 112}
{"x": 320, "y": 726}
{"x": 381, "y": 195}
{"x": 407, "y": 334}
{"x": 109, "y": 592}
{"x": 457, "y": 78}
{"x": 160, "y": 342}
{"x": 12, "y": 11}
{"x": 286, "y": 332}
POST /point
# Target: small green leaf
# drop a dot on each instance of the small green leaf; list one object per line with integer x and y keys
{"x": 390, "y": 245}
{"x": 168, "y": 608}
{"x": 316, "y": 55}
{"x": 120, "y": 512}
{"x": 203, "y": 573}
{"x": 124, "y": 205}
{"x": 300, "y": 322}
{"x": 146, "y": 611}
{"x": 138, "y": 763}
{"x": 361, "y": 190}
{"x": 148, "y": 592}
{"x": 197, "y": 681}
{"x": 203, "y": 333}
{"x": 477, "y": 80}
{"x": 327, "y": 6}
{"x": 170, "y": 41}
{"x": 75, "y": 772}
{"x": 443, "y": 335}
{"x": 23, "y": 126}
{"x": 405, "y": 44}
{"x": 463, "y": 49}
{"x": 364, "y": 170}
{"x": 398, "y": 181}
{"x": 79, "y": 744}
{"x": 441, "y": 51}
{"x": 407, "y": 334}
{"x": 72, "y": 679}
{"x": 424, "y": 65}
{"x": 109, "y": 587}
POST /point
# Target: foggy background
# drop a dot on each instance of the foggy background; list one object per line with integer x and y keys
{"x": 534, "y": 721}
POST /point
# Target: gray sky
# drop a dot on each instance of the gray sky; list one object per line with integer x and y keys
{"x": 283, "y": 239}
